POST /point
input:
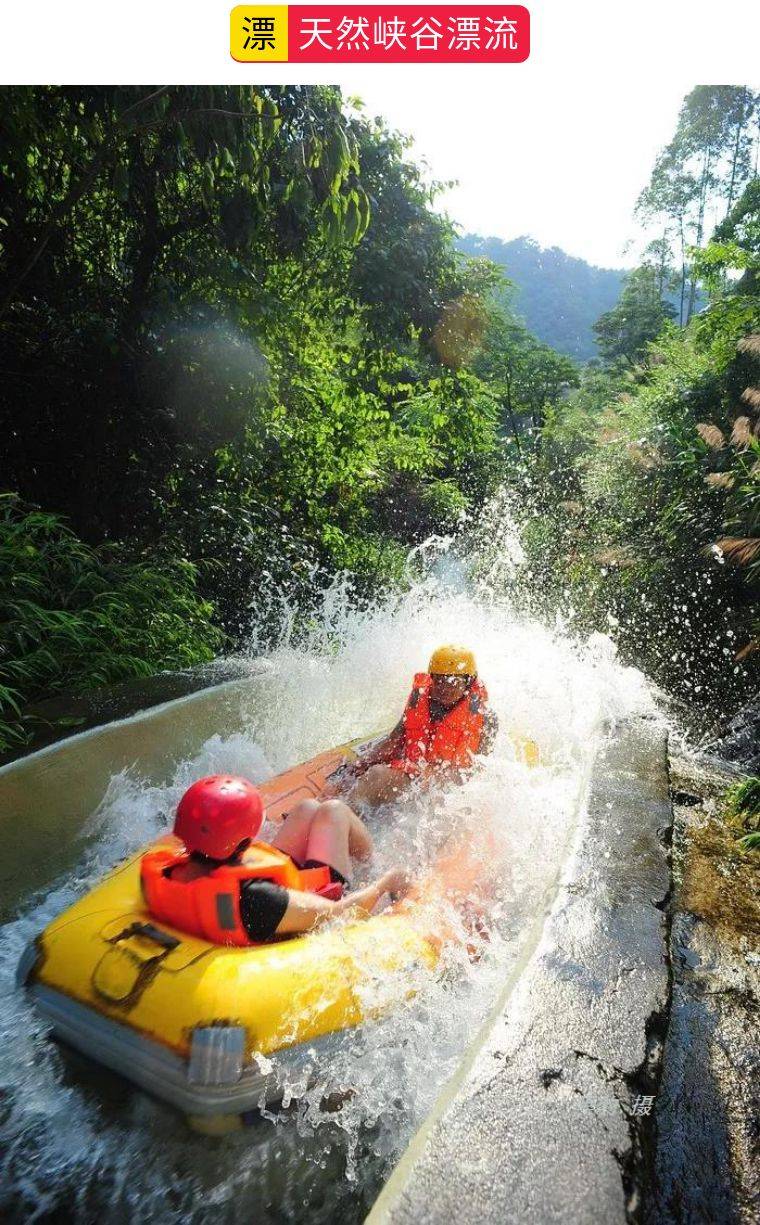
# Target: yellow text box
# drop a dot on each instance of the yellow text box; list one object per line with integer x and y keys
{"x": 259, "y": 33}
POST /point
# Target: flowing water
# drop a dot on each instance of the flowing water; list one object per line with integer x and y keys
{"x": 79, "y": 1143}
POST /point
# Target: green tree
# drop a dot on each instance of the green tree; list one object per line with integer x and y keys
{"x": 556, "y": 296}
{"x": 708, "y": 160}
{"x": 624, "y": 333}
{"x": 237, "y": 336}
{"x": 528, "y": 377}
{"x": 642, "y": 509}
{"x": 127, "y": 212}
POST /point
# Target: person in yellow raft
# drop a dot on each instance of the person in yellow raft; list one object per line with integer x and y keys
{"x": 221, "y": 884}
{"x": 445, "y": 724}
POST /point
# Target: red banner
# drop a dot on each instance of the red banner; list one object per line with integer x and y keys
{"x": 408, "y": 33}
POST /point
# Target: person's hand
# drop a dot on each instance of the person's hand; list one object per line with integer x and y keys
{"x": 397, "y": 882}
{"x": 341, "y": 778}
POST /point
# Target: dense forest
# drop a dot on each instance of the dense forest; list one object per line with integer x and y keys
{"x": 558, "y": 297}
{"x": 645, "y": 489}
{"x": 241, "y": 352}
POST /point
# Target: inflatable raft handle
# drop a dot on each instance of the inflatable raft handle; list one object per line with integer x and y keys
{"x": 155, "y": 934}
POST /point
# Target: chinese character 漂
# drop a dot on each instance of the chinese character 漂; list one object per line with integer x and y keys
{"x": 426, "y": 38}
{"x": 389, "y": 33}
{"x": 502, "y": 33}
{"x": 353, "y": 34}
{"x": 642, "y": 1104}
{"x": 318, "y": 35}
{"x": 465, "y": 33}
{"x": 259, "y": 33}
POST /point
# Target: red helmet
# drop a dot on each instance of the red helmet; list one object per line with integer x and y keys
{"x": 217, "y": 813}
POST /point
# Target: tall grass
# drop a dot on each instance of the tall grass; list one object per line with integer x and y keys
{"x": 743, "y": 811}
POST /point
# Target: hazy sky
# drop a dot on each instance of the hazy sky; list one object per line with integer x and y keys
{"x": 560, "y": 147}
{"x": 564, "y": 165}
{"x": 557, "y": 147}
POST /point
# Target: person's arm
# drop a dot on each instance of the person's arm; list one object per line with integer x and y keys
{"x": 384, "y": 751}
{"x": 306, "y": 911}
{"x": 490, "y": 728}
{"x": 443, "y": 772}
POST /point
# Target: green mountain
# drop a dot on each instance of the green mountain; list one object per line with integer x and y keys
{"x": 558, "y": 296}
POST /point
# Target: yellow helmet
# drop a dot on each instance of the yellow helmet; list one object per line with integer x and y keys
{"x": 452, "y": 661}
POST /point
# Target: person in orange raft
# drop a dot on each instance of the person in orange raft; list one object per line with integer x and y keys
{"x": 446, "y": 722}
{"x": 222, "y": 885}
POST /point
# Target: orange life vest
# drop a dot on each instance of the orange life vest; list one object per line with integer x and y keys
{"x": 453, "y": 739}
{"x": 181, "y": 892}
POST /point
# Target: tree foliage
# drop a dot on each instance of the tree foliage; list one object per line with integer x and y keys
{"x": 527, "y": 377}
{"x": 624, "y": 333}
{"x": 701, "y": 172}
{"x": 242, "y": 351}
{"x": 72, "y": 617}
{"x": 235, "y": 335}
{"x": 645, "y": 505}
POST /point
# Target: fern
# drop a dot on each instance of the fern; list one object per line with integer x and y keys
{"x": 73, "y": 618}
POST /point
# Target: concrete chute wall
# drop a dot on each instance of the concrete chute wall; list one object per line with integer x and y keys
{"x": 47, "y": 797}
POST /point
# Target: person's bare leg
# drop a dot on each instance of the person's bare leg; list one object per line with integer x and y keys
{"x": 379, "y": 785}
{"x": 360, "y": 844}
{"x": 293, "y": 835}
{"x": 330, "y": 835}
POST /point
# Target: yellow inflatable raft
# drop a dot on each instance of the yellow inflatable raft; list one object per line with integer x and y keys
{"x": 192, "y": 1022}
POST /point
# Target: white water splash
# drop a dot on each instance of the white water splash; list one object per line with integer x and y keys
{"x": 79, "y": 1142}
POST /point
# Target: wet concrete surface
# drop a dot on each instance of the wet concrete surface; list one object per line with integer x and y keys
{"x": 738, "y": 742}
{"x": 551, "y": 1119}
{"x": 707, "y": 1163}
